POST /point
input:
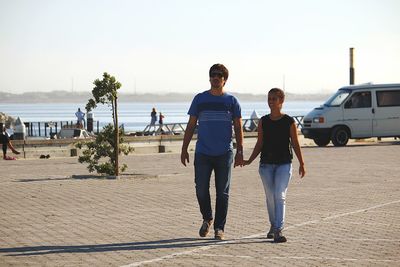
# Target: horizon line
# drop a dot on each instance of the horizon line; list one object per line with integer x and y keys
{"x": 153, "y": 93}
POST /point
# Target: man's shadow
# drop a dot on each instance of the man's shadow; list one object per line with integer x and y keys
{"x": 133, "y": 246}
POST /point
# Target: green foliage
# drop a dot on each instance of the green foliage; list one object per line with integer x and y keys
{"x": 104, "y": 92}
{"x": 103, "y": 147}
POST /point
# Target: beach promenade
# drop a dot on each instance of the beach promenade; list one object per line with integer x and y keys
{"x": 345, "y": 212}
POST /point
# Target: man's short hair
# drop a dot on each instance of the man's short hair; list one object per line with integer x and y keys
{"x": 219, "y": 68}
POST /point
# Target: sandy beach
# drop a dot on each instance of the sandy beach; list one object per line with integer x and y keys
{"x": 345, "y": 212}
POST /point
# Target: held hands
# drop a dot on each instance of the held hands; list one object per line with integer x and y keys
{"x": 246, "y": 162}
{"x": 239, "y": 161}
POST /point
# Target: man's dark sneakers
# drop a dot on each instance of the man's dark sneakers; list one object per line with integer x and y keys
{"x": 205, "y": 228}
{"x": 278, "y": 237}
{"x": 219, "y": 234}
{"x": 270, "y": 234}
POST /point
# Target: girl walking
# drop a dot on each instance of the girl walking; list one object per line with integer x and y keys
{"x": 277, "y": 134}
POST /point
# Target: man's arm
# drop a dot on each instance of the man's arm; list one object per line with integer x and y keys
{"x": 187, "y": 138}
{"x": 237, "y": 126}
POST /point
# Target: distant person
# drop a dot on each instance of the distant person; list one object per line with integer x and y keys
{"x": 161, "y": 122}
{"x": 153, "y": 121}
{"x": 215, "y": 111}
{"x": 161, "y": 119}
{"x": 80, "y": 118}
{"x": 6, "y": 142}
{"x": 277, "y": 132}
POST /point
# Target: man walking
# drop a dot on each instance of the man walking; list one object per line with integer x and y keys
{"x": 214, "y": 110}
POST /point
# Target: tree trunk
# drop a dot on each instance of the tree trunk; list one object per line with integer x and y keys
{"x": 113, "y": 110}
{"x": 116, "y": 137}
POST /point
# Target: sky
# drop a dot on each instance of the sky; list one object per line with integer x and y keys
{"x": 163, "y": 46}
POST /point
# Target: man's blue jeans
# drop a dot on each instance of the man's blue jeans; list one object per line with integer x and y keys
{"x": 222, "y": 167}
{"x": 275, "y": 179}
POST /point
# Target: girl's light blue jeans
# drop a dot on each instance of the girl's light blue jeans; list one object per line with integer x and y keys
{"x": 275, "y": 179}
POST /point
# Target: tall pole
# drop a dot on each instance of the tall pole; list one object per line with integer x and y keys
{"x": 116, "y": 138}
{"x": 351, "y": 66}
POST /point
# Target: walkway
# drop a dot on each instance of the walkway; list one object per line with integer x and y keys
{"x": 345, "y": 212}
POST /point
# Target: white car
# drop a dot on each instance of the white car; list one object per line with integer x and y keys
{"x": 75, "y": 133}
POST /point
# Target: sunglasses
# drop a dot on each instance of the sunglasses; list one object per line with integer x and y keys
{"x": 216, "y": 74}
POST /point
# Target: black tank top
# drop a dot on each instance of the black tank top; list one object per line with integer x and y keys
{"x": 276, "y": 140}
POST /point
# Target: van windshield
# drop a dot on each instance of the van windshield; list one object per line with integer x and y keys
{"x": 338, "y": 98}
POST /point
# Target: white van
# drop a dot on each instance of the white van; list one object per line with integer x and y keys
{"x": 356, "y": 111}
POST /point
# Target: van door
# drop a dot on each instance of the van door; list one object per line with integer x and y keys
{"x": 387, "y": 113}
{"x": 357, "y": 114}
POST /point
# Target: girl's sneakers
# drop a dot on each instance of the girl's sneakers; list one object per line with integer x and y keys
{"x": 270, "y": 233}
{"x": 279, "y": 237}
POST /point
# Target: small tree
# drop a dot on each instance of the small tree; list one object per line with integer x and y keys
{"x": 103, "y": 147}
{"x": 107, "y": 143}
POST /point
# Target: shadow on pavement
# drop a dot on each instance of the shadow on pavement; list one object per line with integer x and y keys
{"x": 159, "y": 244}
{"x": 140, "y": 176}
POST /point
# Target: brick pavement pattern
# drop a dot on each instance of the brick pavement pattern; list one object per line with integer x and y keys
{"x": 345, "y": 212}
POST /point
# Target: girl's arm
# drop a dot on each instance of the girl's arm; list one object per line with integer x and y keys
{"x": 258, "y": 146}
{"x": 297, "y": 150}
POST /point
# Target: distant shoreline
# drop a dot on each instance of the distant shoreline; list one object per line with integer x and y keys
{"x": 68, "y": 97}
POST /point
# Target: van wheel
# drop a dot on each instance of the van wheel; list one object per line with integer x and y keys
{"x": 321, "y": 140}
{"x": 340, "y": 136}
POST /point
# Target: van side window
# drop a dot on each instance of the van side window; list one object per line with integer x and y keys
{"x": 388, "y": 98}
{"x": 359, "y": 100}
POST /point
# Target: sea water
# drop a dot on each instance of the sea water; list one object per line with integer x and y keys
{"x": 135, "y": 116}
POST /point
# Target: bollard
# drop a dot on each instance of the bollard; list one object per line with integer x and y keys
{"x": 19, "y": 129}
{"x": 90, "y": 122}
{"x": 74, "y": 152}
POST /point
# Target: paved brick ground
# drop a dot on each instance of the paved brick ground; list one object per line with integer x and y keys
{"x": 346, "y": 212}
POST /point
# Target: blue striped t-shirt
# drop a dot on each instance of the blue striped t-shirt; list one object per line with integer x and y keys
{"x": 214, "y": 115}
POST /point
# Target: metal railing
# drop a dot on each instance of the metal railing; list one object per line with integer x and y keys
{"x": 47, "y": 129}
{"x": 167, "y": 128}
{"x": 249, "y": 125}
